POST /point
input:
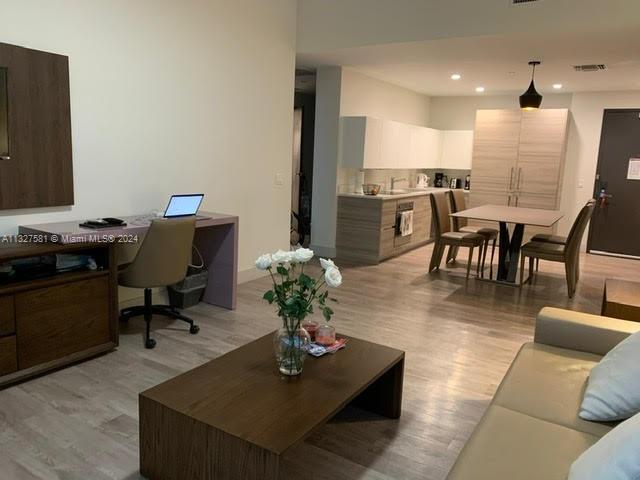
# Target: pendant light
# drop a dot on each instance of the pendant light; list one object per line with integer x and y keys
{"x": 531, "y": 99}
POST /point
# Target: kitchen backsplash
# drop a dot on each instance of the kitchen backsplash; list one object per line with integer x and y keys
{"x": 349, "y": 179}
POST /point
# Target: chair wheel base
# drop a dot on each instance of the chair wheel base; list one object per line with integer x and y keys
{"x": 194, "y": 329}
{"x": 150, "y": 343}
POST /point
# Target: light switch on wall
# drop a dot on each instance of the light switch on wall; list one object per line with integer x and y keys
{"x": 279, "y": 179}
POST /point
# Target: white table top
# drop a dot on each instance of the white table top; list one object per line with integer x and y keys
{"x": 502, "y": 213}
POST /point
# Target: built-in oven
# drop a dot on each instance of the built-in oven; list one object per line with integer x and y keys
{"x": 404, "y": 224}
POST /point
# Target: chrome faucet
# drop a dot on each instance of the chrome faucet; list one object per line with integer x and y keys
{"x": 394, "y": 180}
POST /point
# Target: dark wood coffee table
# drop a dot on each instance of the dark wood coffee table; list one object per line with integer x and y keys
{"x": 234, "y": 417}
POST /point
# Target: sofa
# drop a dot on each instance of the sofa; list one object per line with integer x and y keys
{"x": 531, "y": 430}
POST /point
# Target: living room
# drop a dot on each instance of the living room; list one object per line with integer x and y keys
{"x": 149, "y": 145}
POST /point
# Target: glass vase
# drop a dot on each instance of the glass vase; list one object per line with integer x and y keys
{"x": 290, "y": 346}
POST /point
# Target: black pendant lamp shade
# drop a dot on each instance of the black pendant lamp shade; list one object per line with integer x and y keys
{"x": 531, "y": 98}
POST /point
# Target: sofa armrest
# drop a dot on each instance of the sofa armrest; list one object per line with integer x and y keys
{"x": 581, "y": 331}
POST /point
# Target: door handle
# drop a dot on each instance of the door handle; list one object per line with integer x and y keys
{"x": 5, "y": 157}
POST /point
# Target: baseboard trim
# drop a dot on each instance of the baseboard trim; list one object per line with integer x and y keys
{"x": 321, "y": 251}
{"x": 250, "y": 274}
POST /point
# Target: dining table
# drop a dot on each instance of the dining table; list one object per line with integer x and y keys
{"x": 510, "y": 243}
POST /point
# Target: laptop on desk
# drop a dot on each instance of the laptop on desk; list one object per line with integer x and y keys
{"x": 185, "y": 206}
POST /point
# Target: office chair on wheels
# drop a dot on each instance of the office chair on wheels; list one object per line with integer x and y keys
{"x": 162, "y": 260}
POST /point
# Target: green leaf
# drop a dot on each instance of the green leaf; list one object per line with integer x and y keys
{"x": 306, "y": 281}
{"x": 282, "y": 271}
{"x": 326, "y": 313}
{"x": 269, "y": 296}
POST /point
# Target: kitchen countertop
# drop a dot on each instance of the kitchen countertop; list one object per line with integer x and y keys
{"x": 397, "y": 196}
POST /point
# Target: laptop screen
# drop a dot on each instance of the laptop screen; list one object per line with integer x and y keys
{"x": 183, "y": 205}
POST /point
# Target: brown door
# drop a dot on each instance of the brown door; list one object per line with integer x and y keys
{"x": 615, "y": 226}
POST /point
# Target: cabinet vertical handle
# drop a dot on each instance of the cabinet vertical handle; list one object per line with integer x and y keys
{"x": 509, "y": 201}
{"x": 519, "y": 175}
{"x": 517, "y": 197}
{"x": 511, "y": 179}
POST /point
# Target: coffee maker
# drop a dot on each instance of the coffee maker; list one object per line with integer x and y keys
{"x": 440, "y": 180}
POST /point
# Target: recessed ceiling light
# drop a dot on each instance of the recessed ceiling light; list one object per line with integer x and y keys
{"x": 456, "y": 76}
{"x": 479, "y": 89}
{"x": 557, "y": 86}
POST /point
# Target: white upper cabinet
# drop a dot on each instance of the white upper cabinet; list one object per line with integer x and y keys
{"x": 425, "y": 148}
{"x": 396, "y": 137}
{"x": 457, "y": 149}
{"x": 368, "y": 142}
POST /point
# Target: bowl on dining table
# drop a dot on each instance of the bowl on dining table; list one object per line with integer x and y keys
{"x": 371, "y": 188}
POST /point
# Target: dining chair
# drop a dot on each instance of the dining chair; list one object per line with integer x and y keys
{"x": 459, "y": 203}
{"x": 444, "y": 236}
{"x": 559, "y": 239}
{"x": 567, "y": 253}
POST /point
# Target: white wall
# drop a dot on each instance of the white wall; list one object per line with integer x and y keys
{"x": 167, "y": 97}
{"x": 459, "y": 113}
{"x": 366, "y": 96}
{"x": 340, "y": 92}
{"x": 587, "y": 111}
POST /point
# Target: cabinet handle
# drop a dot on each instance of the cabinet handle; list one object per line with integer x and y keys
{"x": 517, "y": 197}
{"x": 511, "y": 179}
{"x": 509, "y": 201}
{"x": 5, "y": 157}
{"x": 519, "y": 175}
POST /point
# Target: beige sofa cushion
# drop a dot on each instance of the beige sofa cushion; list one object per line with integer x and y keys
{"x": 511, "y": 445}
{"x": 548, "y": 383}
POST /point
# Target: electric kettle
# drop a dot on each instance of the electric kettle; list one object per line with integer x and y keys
{"x": 422, "y": 181}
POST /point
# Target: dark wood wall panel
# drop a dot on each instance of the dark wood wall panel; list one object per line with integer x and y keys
{"x": 40, "y": 170}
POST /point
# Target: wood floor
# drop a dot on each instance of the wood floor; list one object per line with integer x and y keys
{"x": 81, "y": 422}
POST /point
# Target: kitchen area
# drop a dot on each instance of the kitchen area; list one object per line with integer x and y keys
{"x": 388, "y": 169}
{"x": 386, "y": 173}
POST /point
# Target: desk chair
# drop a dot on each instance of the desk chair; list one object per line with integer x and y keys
{"x": 162, "y": 260}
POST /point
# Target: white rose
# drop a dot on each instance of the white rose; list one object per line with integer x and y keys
{"x": 264, "y": 262}
{"x": 333, "y": 277}
{"x": 302, "y": 255}
{"x": 281, "y": 257}
{"x": 327, "y": 263}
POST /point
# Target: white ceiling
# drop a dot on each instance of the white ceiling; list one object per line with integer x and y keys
{"x": 499, "y": 63}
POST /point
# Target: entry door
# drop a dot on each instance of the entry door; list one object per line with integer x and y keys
{"x": 615, "y": 226}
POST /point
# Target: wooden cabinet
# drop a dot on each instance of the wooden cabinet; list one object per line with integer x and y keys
{"x": 366, "y": 230}
{"x": 61, "y": 320}
{"x": 49, "y": 322}
{"x": 518, "y": 157}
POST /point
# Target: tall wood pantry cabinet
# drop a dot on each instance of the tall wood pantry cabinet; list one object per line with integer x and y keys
{"x": 518, "y": 158}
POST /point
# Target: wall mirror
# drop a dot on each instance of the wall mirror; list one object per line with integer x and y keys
{"x": 4, "y": 115}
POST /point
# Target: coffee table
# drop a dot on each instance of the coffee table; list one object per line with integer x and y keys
{"x": 621, "y": 299}
{"x": 235, "y": 416}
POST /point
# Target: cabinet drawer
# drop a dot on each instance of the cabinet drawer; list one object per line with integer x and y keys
{"x": 7, "y": 316}
{"x": 8, "y": 358}
{"x": 58, "y": 321}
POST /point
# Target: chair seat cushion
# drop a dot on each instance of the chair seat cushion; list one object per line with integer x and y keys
{"x": 463, "y": 238}
{"x": 485, "y": 232}
{"x": 511, "y": 445}
{"x": 543, "y": 250}
{"x": 548, "y": 238}
{"x": 548, "y": 383}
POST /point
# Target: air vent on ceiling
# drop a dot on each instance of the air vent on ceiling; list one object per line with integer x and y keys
{"x": 590, "y": 68}
{"x": 522, "y": 2}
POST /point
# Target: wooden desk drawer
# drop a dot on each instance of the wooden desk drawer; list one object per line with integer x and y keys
{"x": 58, "y": 321}
{"x": 8, "y": 357}
{"x": 7, "y": 316}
